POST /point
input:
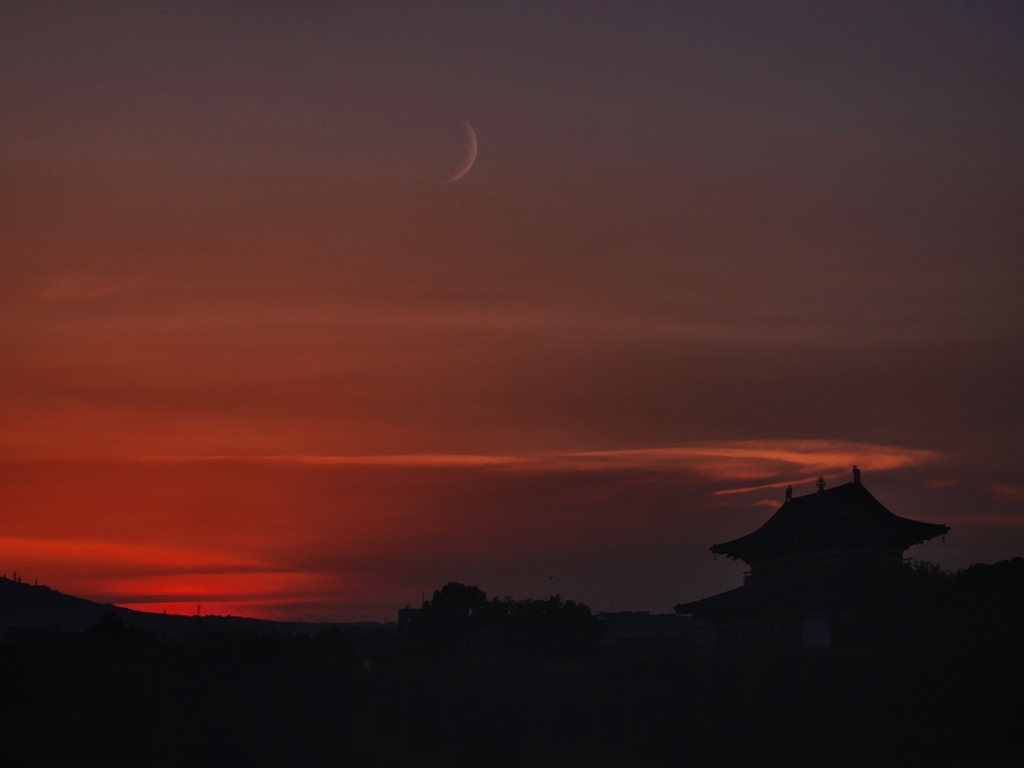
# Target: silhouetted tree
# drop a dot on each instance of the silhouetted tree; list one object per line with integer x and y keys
{"x": 446, "y": 625}
{"x": 459, "y": 620}
{"x": 455, "y": 600}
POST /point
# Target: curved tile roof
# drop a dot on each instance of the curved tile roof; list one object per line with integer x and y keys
{"x": 836, "y": 519}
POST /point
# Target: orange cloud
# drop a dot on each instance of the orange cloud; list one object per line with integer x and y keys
{"x": 732, "y": 461}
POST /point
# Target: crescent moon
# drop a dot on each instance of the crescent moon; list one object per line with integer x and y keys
{"x": 470, "y": 157}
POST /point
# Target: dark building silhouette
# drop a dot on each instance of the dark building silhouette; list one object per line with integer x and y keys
{"x": 642, "y": 627}
{"x": 406, "y": 616}
{"x": 816, "y": 567}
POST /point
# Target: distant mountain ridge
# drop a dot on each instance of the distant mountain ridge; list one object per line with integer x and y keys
{"x": 24, "y": 606}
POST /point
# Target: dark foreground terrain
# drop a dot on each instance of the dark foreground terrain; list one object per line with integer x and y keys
{"x": 505, "y": 683}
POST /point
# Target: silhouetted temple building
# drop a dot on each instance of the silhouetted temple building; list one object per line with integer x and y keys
{"x": 815, "y": 567}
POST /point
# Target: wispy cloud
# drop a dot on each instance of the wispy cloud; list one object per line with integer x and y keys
{"x": 738, "y": 461}
{"x": 754, "y": 459}
{"x": 119, "y": 554}
{"x": 1013, "y": 493}
{"x": 327, "y": 460}
{"x": 264, "y": 586}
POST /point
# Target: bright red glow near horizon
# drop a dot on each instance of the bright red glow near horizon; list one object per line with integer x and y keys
{"x": 335, "y": 537}
{"x": 255, "y": 352}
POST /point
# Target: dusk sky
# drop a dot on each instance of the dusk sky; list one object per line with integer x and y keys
{"x": 257, "y": 350}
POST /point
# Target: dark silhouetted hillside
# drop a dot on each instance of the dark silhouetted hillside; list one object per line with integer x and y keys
{"x": 24, "y": 606}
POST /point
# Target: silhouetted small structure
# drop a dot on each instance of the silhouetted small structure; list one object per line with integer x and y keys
{"x": 406, "y": 616}
{"x": 815, "y": 566}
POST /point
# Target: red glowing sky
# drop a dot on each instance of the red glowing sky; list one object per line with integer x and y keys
{"x": 253, "y": 351}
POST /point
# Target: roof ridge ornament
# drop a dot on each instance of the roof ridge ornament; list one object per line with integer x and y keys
{"x": 814, "y": 524}
{"x": 789, "y": 493}
{"x": 821, "y": 485}
{"x": 856, "y": 475}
